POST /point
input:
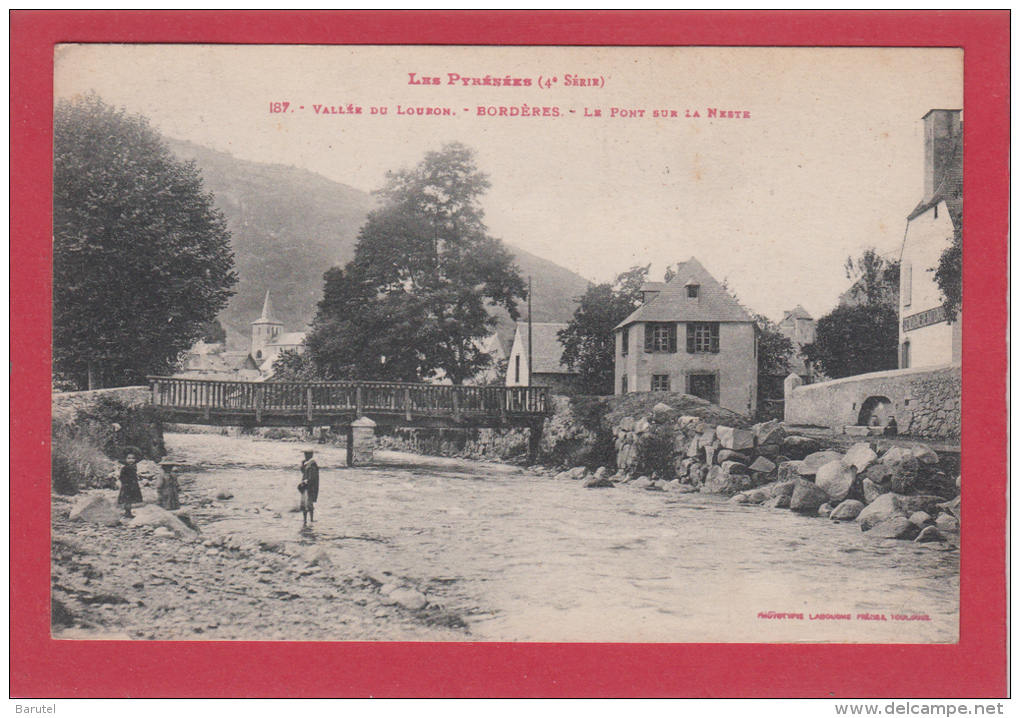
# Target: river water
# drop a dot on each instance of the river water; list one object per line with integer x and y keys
{"x": 522, "y": 556}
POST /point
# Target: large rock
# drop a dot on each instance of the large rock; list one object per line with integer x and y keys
{"x": 778, "y": 502}
{"x": 769, "y": 432}
{"x": 953, "y": 507}
{"x": 885, "y": 507}
{"x": 771, "y": 451}
{"x": 95, "y": 509}
{"x": 860, "y": 456}
{"x": 663, "y": 413}
{"x": 721, "y": 482}
{"x": 872, "y": 490}
{"x": 409, "y": 598}
{"x": 757, "y": 496}
{"x": 797, "y": 447}
{"x": 707, "y": 438}
{"x": 730, "y": 455}
{"x": 930, "y": 534}
{"x": 920, "y": 518}
{"x": 597, "y": 482}
{"x": 693, "y": 447}
{"x": 924, "y": 454}
{"x": 784, "y": 488}
{"x": 734, "y": 467}
{"x": 904, "y": 474}
{"x": 812, "y": 462}
{"x": 879, "y": 474}
{"x": 762, "y": 465}
{"x": 152, "y": 515}
{"x": 945, "y": 522}
{"x": 836, "y": 479}
{"x": 894, "y": 528}
{"x": 847, "y": 510}
{"x": 734, "y": 439}
{"x": 921, "y": 502}
{"x": 788, "y": 470}
{"x": 807, "y": 498}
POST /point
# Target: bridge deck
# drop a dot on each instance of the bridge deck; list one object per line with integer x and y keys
{"x": 240, "y": 403}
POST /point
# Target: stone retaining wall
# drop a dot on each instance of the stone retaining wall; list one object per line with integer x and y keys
{"x": 925, "y": 402}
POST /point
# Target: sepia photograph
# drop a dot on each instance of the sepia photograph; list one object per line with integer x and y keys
{"x": 533, "y": 344}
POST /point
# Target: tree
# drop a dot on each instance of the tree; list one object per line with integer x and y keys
{"x": 425, "y": 274}
{"x": 589, "y": 343}
{"x": 141, "y": 258}
{"x": 855, "y": 339}
{"x": 774, "y": 352}
{"x": 875, "y": 279}
{"x": 213, "y": 332}
{"x": 949, "y": 275}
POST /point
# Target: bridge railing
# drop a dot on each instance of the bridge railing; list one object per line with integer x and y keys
{"x": 208, "y": 395}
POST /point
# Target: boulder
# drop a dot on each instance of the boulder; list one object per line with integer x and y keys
{"x": 734, "y": 467}
{"x": 836, "y": 479}
{"x": 730, "y": 455}
{"x": 710, "y": 453}
{"x": 163, "y": 532}
{"x": 409, "y": 598}
{"x": 920, "y": 518}
{"x": 757, "y": 496}
{"x": 95, "y": 509}
{"x": 945, "y": 522}
{"x": 769, "y": 433}
{"x": 721, "y": 482}
{"x": 641, "y": 426}
{"x": 601, "y": 472}
{"x": 740, "y": 499}
{"x": 642, "y": 482}
{"x": 797, "y": 447}
{"x": 788, "y": 471}
{"x": 894, "y": 528}
{"x": 860, "y": 456}
{"x": 224, "y": 495}
{"x": 884, "y": 508}
{"x": 872, "y": 490}
{"x": 930, "y": 534}
{"x": 771, "y": 451}
{"x": 627, "y": 423}
{"x": 953, "y": 507}
{"x": 578, "y": 472}
{"x": 185, "y": 516}
{"x": 563, "y": 475}
{"x": 807, "y": 498}
{"x": 663, "y": 413}
{"x": 152, "y": 515}
{"x": 924, "y": 454}
{"x": 784, "y": 488}
{"x": 812, "y": 462}
{"x": 904, "y": 474}
{"x": 847, "y": 510}
{"x": 895, "y": 454}
{"x": 707, "y": 438}
{"x": 734, "y": 439}
{"x": 778, "y": 502}
{"x": 693, "y": 447}
{"x": 596, "y": 481}
{"x": 921, "y": 502}
{"x": 825, "y": 510}
{"x": 762, "y": 465}
{"x": 879, "y": 473}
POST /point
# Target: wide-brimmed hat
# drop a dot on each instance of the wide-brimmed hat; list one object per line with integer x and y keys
{"x": 132, "y": 450}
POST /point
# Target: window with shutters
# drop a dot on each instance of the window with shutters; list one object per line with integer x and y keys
{"x": 702, "y": 337}
{"x": 660, "y": 382}
{"x": 625, "y": 341}
{"x": 660, "y": 337}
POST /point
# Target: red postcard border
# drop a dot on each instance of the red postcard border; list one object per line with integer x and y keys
{"x": 976, "y": 667}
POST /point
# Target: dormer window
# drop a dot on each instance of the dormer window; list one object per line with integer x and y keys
{"x": 693, "y": 290}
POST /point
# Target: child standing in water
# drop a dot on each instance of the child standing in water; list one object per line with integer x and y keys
{"x": 130, "y": 491}
{"x": 167, "y": 488}
{"x": 309, "y": 487}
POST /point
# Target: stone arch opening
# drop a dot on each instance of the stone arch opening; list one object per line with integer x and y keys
{"x": 876, "y": 411}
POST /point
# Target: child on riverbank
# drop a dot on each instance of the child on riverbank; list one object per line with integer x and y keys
{"x": 130, "y": 491}
{"x": 167, "y": 488}
{"x": 309, "y": 487}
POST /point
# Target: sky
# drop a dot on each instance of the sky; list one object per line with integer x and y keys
{"x": 823, "y": 159}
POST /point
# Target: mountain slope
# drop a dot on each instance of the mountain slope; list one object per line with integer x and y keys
{"x": 289, "y": 226}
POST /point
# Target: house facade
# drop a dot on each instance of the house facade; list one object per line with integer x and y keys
{"x": 689, "y": 335}
{"x": 548, "y": 370}
{"x": 799, "y": 327}
{"x": 926, "y": 339}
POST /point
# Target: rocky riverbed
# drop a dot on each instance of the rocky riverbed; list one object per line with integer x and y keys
{"x": 422, "y": 548}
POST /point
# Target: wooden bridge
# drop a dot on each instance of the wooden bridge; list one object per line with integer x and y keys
{"x": 340, "y": 403}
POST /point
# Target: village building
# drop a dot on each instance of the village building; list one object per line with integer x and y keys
{"x": 798, "y": 326}
{"x": 212, "y": 361}
{"x": 926, "y": 339}
{"x": 690, "y": 335}
{"x": 546, "y": 353}
{"x": 269, "y": 340}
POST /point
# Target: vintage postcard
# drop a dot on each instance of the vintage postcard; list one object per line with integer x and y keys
{"x": 419, "y": 359}
{"x": 764, "y": 195}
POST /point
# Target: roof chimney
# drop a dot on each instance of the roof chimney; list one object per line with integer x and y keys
{"x": 942, "y": 130}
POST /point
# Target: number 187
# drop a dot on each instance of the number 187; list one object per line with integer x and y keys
{"x": 278, "y": 106}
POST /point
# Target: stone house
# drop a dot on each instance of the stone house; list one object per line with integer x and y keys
{"x": 926, "y": 339}
{"x": 690, "y": 335}
{"x": 798, "y": 326}
{"x": 546, "y": 352}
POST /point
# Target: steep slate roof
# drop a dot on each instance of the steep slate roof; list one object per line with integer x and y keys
{"x": 797, "y": 312}
{"x": 268, "y": 315}
{"x": 547, "y": 350}
{"x": 714, "y": 303}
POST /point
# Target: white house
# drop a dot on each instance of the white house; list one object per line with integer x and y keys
{"x": 548, "y": 370}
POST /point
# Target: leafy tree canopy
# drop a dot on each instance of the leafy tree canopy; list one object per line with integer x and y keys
{"x": 589, "y": 340}
{"x": 141, "y": 257}
{"x": 855, "y": 339}
{"x": 415, "y": 299}
{"x": 949, "y": 276}
{"x": 875, "y": 279}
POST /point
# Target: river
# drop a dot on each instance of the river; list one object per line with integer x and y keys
{"x": 522, "y": 556}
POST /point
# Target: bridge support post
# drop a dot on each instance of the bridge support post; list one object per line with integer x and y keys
{"x": 534, "y": 439}
{"x": 362, "y": 441}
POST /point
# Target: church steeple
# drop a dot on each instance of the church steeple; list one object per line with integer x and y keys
{"x": 264, "y": 330}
